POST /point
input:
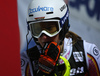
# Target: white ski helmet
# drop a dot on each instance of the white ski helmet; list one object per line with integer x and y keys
{"x": 48, "y": 11}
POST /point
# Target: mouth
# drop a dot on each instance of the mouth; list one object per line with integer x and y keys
{"x": 46, "y": 42}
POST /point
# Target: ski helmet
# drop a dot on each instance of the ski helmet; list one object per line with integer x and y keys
{"x": 51, "y": 13}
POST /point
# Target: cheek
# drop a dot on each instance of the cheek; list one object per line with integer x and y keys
{"x": 40, "y": 41}
{"x": 56, "y": 39}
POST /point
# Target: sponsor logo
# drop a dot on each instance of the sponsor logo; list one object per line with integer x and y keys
{"x": 22, "y": 62}
{"x": 95, "y": 51}
{"x": 62, "y": 8}
{"x": 40, "y": 9}
{"x": 78, "y": 70}
{"x": 63, "y": 19}
{"x": 78, "y": 56}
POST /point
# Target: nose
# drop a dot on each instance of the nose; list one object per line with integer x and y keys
{"x": 44, "y": 36}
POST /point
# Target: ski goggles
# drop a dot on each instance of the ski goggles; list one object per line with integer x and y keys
{"x": 50, "y": 28}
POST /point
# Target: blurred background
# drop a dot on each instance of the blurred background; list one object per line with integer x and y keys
{"x": 84, "y": 20}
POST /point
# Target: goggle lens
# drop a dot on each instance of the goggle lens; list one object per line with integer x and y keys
{"x": 50, "y": 27}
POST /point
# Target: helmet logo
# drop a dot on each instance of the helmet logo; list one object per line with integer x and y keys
{"x": 62, "y": 8}
{"x": 64, "y": 18}
{"x": 33, "y": 10}
{"x": 39, "y": 18}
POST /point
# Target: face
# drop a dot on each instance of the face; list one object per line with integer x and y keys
{"x": 44, "y": 38}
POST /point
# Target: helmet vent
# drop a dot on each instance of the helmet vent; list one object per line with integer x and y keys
{"x": 31, "y": 15}
{"x": 49, "y": 13}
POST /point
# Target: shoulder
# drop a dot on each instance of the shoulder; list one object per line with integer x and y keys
{"x": 93, "y": 53}
{"x": 25, "y": 56}
{"x": 92, "y": 50}
{"x": 25, "y": 59}
{"x": 90, "y": 47}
